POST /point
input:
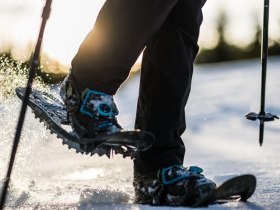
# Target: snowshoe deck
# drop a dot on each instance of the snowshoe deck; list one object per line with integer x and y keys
{"x": 51, "y": 110}
{"x": 238, "y": 188}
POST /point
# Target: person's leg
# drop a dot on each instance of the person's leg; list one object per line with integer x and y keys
{"x": 104, "y": 60}
{"x": 167, "y": 67}
{"x": 165, "y": 84}
{"x": 120, "y": 34}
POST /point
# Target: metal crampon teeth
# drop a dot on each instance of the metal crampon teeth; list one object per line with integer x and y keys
{"x": 90, "y": 149}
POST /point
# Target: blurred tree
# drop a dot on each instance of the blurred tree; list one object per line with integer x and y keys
{"x": 226, "y": 52}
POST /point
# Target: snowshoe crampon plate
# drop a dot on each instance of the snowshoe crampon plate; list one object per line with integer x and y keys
{"x": 51, "y": 110}
{"x": 237, "y": 188}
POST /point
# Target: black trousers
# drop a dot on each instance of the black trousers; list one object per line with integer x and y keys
{"x": 168, "y": 30}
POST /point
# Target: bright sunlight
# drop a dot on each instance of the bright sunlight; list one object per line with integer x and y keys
{"x": 71, "y": 20}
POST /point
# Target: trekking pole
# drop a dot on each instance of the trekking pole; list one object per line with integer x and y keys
{"x": 34, "y": 66}
{"x": 263, "y": 116}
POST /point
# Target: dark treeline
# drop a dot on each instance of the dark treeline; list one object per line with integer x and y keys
{"x": 52, "y": 73}
{"x": 227, "y": 52}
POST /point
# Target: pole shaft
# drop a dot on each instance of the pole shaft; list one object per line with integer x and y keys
{"x": 264, "y": 54}
{"x": 32, "y": 73}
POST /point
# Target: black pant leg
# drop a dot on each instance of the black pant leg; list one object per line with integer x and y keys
{"x": 165, "y": 85}
{"x": 119, "y": 35}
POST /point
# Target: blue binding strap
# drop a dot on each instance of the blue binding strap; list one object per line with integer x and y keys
{"x": 83, "y": 108}
{"x": 183, "y": 174}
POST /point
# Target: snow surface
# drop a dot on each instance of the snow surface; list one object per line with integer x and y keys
{"x": 219, "y": 139}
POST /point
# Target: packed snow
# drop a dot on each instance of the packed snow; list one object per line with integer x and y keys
{"x": 219, "y": 139}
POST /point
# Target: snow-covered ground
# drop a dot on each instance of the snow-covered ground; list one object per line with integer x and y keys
{"x": 219, "y": 139}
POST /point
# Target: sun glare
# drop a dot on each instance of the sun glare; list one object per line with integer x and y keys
{"x": 68, "y": 25}
{"x": 71, "y": 20}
